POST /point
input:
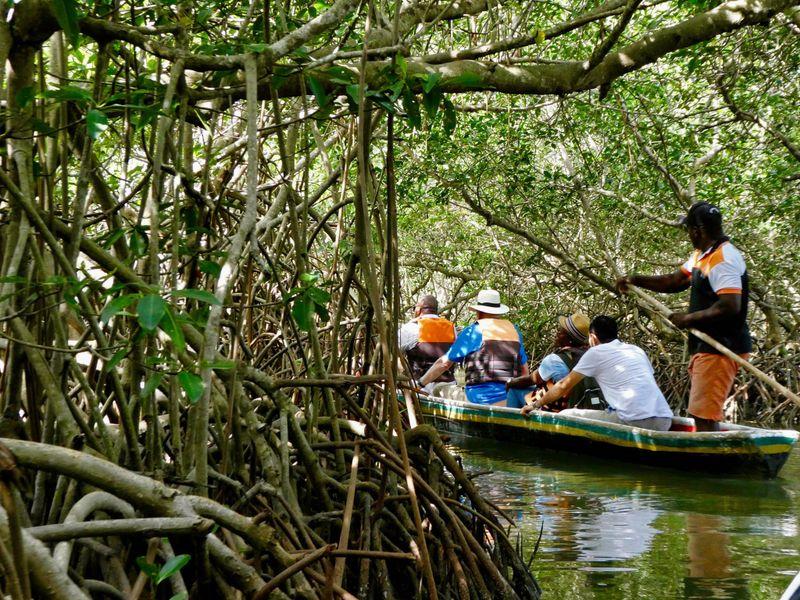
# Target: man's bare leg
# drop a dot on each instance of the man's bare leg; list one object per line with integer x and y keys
{"x": 705, "y": 424}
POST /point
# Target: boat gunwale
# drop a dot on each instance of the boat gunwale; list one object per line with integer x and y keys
{"x": 739, "y": 439}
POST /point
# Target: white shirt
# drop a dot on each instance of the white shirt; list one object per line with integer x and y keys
{"x": 626, "y": 378}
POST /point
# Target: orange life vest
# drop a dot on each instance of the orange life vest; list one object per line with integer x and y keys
{"x": 436, "y": 335}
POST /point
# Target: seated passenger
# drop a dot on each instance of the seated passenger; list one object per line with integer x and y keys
{"x": 572, "y": 340}
{"x": 425, "y": 338}
{"x": 491, "y": 350}
{"x": 625, "y": 376}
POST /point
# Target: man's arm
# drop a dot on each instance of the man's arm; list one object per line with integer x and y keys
{"x": 559, "y": 390}
{"x": 673, "y": 282}
{"x": 524, "y": 381}
{"x": 437, "y": 369}
{"x": 727, "y": 305}
{"x": 407, "y": 336}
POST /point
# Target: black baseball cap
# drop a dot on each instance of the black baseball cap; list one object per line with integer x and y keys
{"x": 702, "y": 214}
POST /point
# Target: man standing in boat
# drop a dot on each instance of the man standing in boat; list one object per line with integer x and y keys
{"x": 425, "y": 338}
{"x": 571, "y": 342}
{"x": 717, "y": 276}
{"x": 491, "y": 350}
{"x": 625, "y": 376}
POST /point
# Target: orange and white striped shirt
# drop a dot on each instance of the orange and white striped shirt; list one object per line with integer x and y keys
{"x": 723, "y": 266}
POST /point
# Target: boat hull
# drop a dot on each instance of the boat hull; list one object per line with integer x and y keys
{"x": 740, "y": 449}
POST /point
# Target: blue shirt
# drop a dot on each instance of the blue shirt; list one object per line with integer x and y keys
{"x": 553, "y": 368}
{"x": 469, "y": 341}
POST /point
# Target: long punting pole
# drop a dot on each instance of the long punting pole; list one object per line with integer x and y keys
{"x": 665, "y": 312}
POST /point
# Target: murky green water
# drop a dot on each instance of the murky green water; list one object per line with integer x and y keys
{"x": 613, "y": 530}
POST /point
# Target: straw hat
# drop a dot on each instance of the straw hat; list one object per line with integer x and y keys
{"x": 576, "y": 325}
{"x": 489, "y": 303}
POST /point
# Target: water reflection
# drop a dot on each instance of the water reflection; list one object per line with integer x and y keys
{"x": 618, "y": 531}
{"x": 596, "y": 529}
{"x": 711, "y": 573}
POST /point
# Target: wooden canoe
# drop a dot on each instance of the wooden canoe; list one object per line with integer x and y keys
{"x": 734, "y": 449}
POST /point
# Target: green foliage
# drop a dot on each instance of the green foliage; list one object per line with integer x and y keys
{"x": 24, "y": 96}
{"x": 307, "y": 300}
{"x": 192, "y": 386}
{"x": 68, "y": 93}
{"x": 96, "y": 123}
{"x": 152, "y": 383}
{"x": 159, "y": 574}
{"x": 117, "y": 305}
{"x": 199, "y": 295}
{"x": 150, "y": 310}
{"x": 209, "y": 267}
{"x": 66, "y": 13}
{"x": 170, "y": 325}
{"x": 316, "y": 87}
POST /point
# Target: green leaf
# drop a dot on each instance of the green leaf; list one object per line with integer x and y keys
{"x": 431, "y": 100}
{"x": 431, "y": 81}
{"x": 42, "y": 128}
{"x": 13, "y": 279}
{"x": 56, "y": 280}
{"x": 172, "y": 566}
{"x": 152, "y": 383}
{"x": 396, "y": 89}
{"x": 382, "y": 101}
{"x": 118, "y": 356}
{"x": 256, "y": 47}
{"x": 192, "y": 385}
{"x": 148, "y": 569}
{"x": 138, "y": 242}
{"x": 449, "y": 120}
{"x": 117, "y": 305}
{"x": 322, "y": 312}
{"x": 180, "y": 596}
{"x": 25, "y": 95}
{"x": 67, "y": 16}
{"x": 309, "y": 278}
{"x": 209, "y": 267}
{"x": 353, "y": 92}
{"x": 303, "y": 313}
{"x": 318, "y": 295}
{"x": 340, "y": 75}
{"x": 199, "y": 295}
{"x": 301, "y": 52}
{"x": 219, "y": 365}
{"x": 203, "y": 15}
{"x": 150, "y": 310}
{"x": 467, "y": 80}
{"x": 69, "y": 93}
{"x": 402, "y": 66}
{"x": 111, "y": 239}
{"x": 411, "y": 106}
{"x": 96, "y": 123}
{"x": 319, "y": 91}
{"x": 169, "y": 325}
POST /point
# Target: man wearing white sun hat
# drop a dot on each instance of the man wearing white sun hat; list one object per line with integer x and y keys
{"x": 491, "y": 350}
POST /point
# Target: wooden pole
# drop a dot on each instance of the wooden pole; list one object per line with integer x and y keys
{"x": 661, "y": 309}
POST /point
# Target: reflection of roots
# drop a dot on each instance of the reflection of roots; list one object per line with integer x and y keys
{"x": 708, "y": 547}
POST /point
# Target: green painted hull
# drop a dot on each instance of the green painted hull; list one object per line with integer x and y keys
{"x": 740, "y": 449}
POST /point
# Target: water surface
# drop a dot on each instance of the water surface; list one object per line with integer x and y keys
{"x": 612, "y": 530}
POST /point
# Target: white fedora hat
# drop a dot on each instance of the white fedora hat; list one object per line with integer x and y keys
{"x": 489, "y": 302}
